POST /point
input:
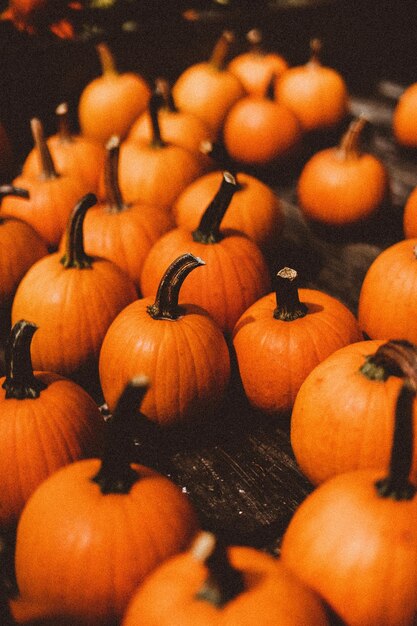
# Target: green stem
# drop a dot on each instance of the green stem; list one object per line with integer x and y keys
{"x": 111, "y": 176}
{"x": 289, "y": 307}
{"x": 163, "y": 89}
{"x": 64, "y": 130}
{"x": 166, "y": 302}
{"x": 75, "y": 255}
{"x": 397, "y": 357}
{"x": 46, "y": 163}
{"x": 221, "y": 50}
{"x": 20, "y": 382}
{"x": 208, "y": 230}
{"x": 116, "y": 474}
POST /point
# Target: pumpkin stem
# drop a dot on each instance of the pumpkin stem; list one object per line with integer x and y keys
{"x": 116, "y": 474}
{"x": 254, "y": 39}
{"x": 397, "y": 357}
{"x": 289, "y": 307}
{"x": 396, "y": 484}
{"x": 11, "y": 190}
{"x": 166, "y": 306}
{"x": 111, "y": 179}
{"x": 269, "y": 92}
{"x": 46, "y": 163}
{"x": 75, "y": 255}
{"x": 208, "y": 230}
{"x": 155, "y": 103}
{"x": 224, "y": 582}
{"x": 216, "y": 150}
{"x": 163, "y": 89}
{"x": 108, "y": 65}
{"x": 221, "y": 50}
{"x": 349, "y": 146}
{"x": 315, "y": 51}
{"x": 20, "y": 382}
{"x": 64, "y": 130}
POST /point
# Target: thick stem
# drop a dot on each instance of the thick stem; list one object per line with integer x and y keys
{"x": 216, "y": 150}
{"x": 155, "y": 103}
{"x": 289, "y": 307}
{"x": 20, "y": 382}
{"x": 75, "y": 255}
{"x": 350, "y": 144}
{"x": 114, "y": 196}
{"x": 64, "y": 130}
{"x": 396, "y": 484}
{"x": 108, "y": 65}
{"x": 221, "y": 50}
{"x": 116, "y": 474}
{"x": 208, "y": 230}
{"x": 46, "y": 163}
{"x": 166, "y": 305}
{"x": 11, "y": 190}
{"x": 397, "y": 357}
{"x": 163, "y": 89}
{"x": 224, "y": 582}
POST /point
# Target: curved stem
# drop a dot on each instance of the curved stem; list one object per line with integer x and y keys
{"x": 289, "y": 307}
{"x": 108, "y": 65}
{"x": 163, "y": 89}
{"x": 75, "y": 255}
{"x": 114, "y": 196}
{"x": 64, "y": 131}
{"x": 208, "y": 230}
{"x": 47, "y": 167}
{"x": 224, "y": 582}
{"x": 221, "y": 50}
{"x": 155, "y": 102}
{"x": 20, "y": 382}
{"x": 397, "y": 357}
{"x": 166, "y": 302}
{"x": 315, "y": 51}
{"x": 116, "y": 474}
{"x": 349, "y": 145}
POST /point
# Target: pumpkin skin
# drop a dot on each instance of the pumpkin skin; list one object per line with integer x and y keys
{"x": 403, "y": 119}
{"x": 343, "y": 419}
{"x": 275, "y": 356}
{"x": 168, "y": 596}
{"x": 393, "y": 272}
{"x": 409, "y": 216}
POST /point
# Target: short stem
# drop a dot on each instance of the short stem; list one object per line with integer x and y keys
{"x": 289, "y": 307}
{"x": 11, "y": 190}
{"x": 64, "y": 130}
{"x": 396, "y": 484}
{"x": 216, "y": 150}
{"x": 114, "y": 196}
{"x": 20, "y": 382}
{"x": 108, "y": 65}
{"x": 47, "y": 167}
{"x": 221, "y": 50}
{"x": 163, "y": 89}
{"x": 208, "y": 230}
{"x": 155, "y": 103}
{"x": 315, "y": 51}
{"x": 254, "y": 39}
{"x": 166, "y": 301}
{"x": 349, "y": 146}
{"x": 270, "y": 89}
{"x": 397, "y": 357}
{"x": 224, "y": 582}
{"x": 75, "y": 255}
{"x": 116, "y": 474}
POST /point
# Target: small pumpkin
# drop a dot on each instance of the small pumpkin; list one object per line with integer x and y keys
{"x": 282, "y": 336}
{"x": 410, "y": 215}
{"x": 235, "y": 275}
{"x": 110, "y": 103}
{"x": 212, "y": 584}
{"x": 404, "y": 125}
{"x": 177, "y": 345}
{"x": 92, "y": 532}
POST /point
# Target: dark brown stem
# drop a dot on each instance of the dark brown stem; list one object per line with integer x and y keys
{"x": 46, "y": 163}
{"x": 75, "y": 255}
{"x": 395, "y": 358}
{"x": 166, "y": 306}
{"x": 224, "y": 582}
{"x": 163, "y": 89}
{"x": 114, "y": 196}
{"x": 289, "y": 307}
{"x": 270, "y": 89}
{"x": 11, "y": 190}
{"x": 350, "y": 144}
{"x": 208, "y": 230}
{"x": 315, "y": 51}
{"x": 155, "y": 103}
{"x": 221, "y": 50}
{"x": 64, "y": 130}
{"x": 116, "y": 474}
{"x": 107, "y": 62}
{"x": 20, "y": 382}
{"x": 216, "y": 150}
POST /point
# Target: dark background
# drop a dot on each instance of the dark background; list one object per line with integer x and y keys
{"x": 365, "y": 40}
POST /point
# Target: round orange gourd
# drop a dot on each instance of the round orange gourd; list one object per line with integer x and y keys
{"x": 46, "y": 422}
{"x": 210, "y": 584}
{"x": 256, "y": 67}
{"x": 353, "y": 539}
{"x": 317, "y": 94}
{"x": 179, "y": 346}
{"x": 52, "y": 194}
{"x": 72, "y": 299}
{"x": 110, "y": 103}
{"x": 343, "y": 415}
{"x": 343, "y": 185}
{"x": 94, "y": 530}
{"x": 404, "y": 124}
{"x": 235, "y": 274}
{"x": 208, "y": 89}
{"x": 281, "y": 338}
{"x": 392, "y": 275}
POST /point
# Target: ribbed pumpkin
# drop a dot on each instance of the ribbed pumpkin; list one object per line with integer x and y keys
{"x": 235, "y": 274}
{"x": 213, "y": 584}
{"x": 93, "y": 531}
{"x": 281, "y": 338}
{"x": 177, "y": 345}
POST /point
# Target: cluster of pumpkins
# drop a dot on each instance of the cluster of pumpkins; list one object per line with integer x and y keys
{"x": 101, "y": 234}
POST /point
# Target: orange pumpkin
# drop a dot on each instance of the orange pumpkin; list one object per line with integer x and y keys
{"x": 404, "y": 125}
{"x": 410, "y": 215}
{"x": 72, "y": 299}
{"x": 210, "y": 585}
{"x": 281, "y": 338}
{"x": 343, "y": 415}
{"x": 392, "y": 275}
{"x": 110, "y": 103}
{"x": 51, "y": 417}
{"x": 235, "y": 274}
{"x": 178, "y": 346}
{"x": 317, "y": 94}
{"x": 343, "y": 185}
{"x": 108, "y": 516}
